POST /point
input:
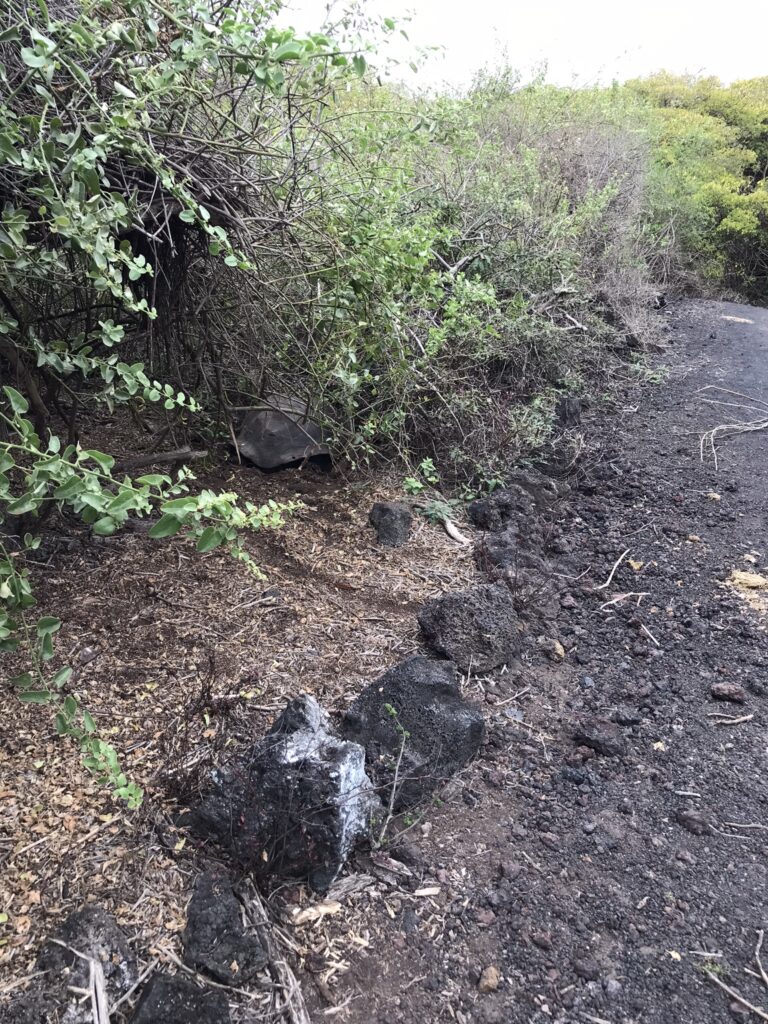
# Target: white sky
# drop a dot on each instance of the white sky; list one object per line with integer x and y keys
{"x": 581, "y": 41}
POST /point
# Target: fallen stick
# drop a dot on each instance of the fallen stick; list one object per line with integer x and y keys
{"x": 735, "y": 995}
{"x": 617, "y": 563}
{"x": 639, "y": 594}
{"x": 650, "y": 634}
{"x": 758, "y": 961}
{"x": 97, "y": 986}
{"x": 454, "y": 533}
{"x": 156, "y": 458}
{"x": 286, "y": 984}
{"x": 727, "y": 719}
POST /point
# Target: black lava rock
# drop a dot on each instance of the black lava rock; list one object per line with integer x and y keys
{"x": 174, "y": 1000}
{"x": 503, "y": 550}
{"x": 602, "y": 736}
{"x": 215, "y": 941}
{"x": 477, "y": 629}
{"x": 414, "y": 722}
{"x": 296, "y": 803}
{"x": 94, "y": 933}
{"x": 392, "y": 522}
{"x": 501, "y": 508}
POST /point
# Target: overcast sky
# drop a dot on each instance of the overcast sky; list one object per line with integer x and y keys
{"x": 580, "y": 41}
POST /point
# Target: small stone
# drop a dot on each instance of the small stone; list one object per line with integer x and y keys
{"x": 587, "y": 968}
{"x": 694, "y": 821}
{"x": 432, "y": 734}
{"x": 511, "y": 869}
{"x": 568, "y": 601}
{"x": 542, "y": 940}
{"x": 485, "y": 917}
{"x": 550, "y": 840}
{"x": 729, "y": 691}
{"x": 552, "y": 648}
{"x": 602, "y": 736}
{"x": 612, "y": 988}
{"x": 93, "y": 933}
{"x": 489, "y": 980}
{"x": 625, "y": 715}
{"x": 296, "y": 803}
{"x": 87, "y": 655}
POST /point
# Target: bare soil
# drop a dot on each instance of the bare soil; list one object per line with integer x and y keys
{"x": 549, "y": 882}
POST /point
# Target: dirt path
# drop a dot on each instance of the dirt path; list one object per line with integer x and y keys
{"x": 600, "y": 888}
{"x": 589, "y": 887}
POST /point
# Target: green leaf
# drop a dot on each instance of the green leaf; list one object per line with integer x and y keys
{"x": 88, "y": 722}
{"x": 46, "y": 647}
{"x": 123, "y": 90}
{"x": 23, "y": 681}
{"x": 153, "y": 480}
{"x": 124, "y": 500}
{"x": 104, "y": 527}
{"x": 10, "y": 35}
{"x": 32, "y": 59}
{"x": 72, "y": 486}
{"x": 26, "y": 503}
{"x": 62, "y": 676}
{"x": 105, "y": 461}
{"x": 209, "y": 539}
{"x": 166, "y": 527}
{"x": 292, "y": 50}
{"x": 36, "y": 696}
{"x": 19, "y": 404}
{"x": 180, "y": 505}
{"x": 47, "y": 625}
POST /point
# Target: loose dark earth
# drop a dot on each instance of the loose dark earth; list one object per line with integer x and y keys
{"x": 602, "y": 859}
{"x": 610, "y": 844}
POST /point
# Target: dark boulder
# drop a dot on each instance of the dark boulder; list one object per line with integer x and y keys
{"x": 478, "y": 629}
{"x": 95, "y": 934}
{"x": 392, "y": 522}
{"x": 511, "y": 505}
{"x": 414, "y": 722}
{"x": 215, "y": 941}
{"x": 174, "y": 1000}
{"x": 296, "y": 803}
{"x": 503, "y": 550}
{"x": 279, "y": 433}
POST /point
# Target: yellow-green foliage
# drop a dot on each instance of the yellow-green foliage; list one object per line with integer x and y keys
{"x": 709, "y": 176}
